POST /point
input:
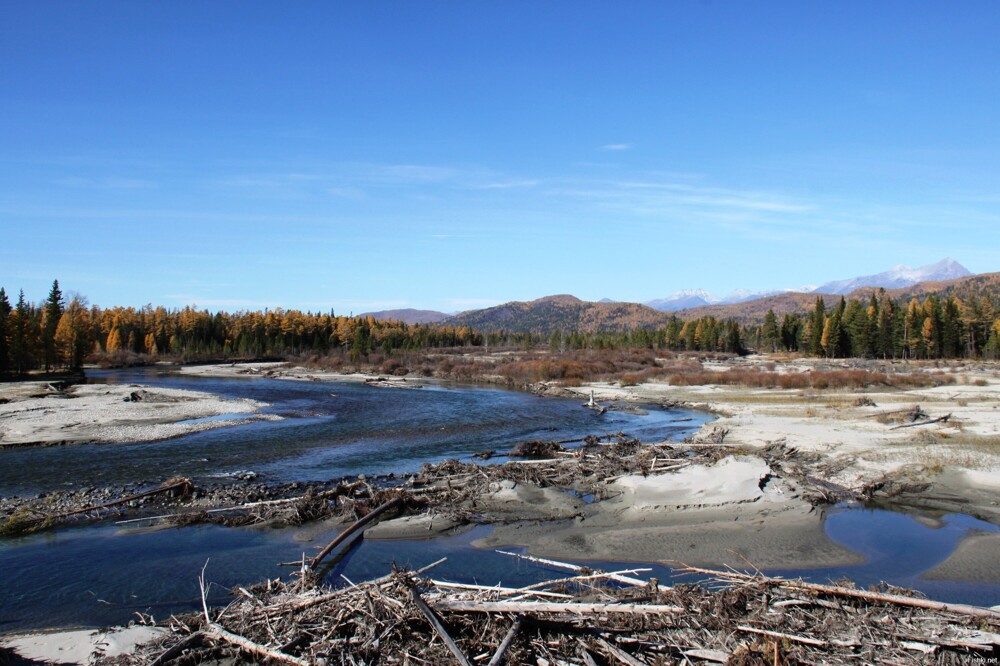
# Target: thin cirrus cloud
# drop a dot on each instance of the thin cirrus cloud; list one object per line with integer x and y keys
{"x": 616, "y": 146}
{"x": 507, "y": 185}
{"x": 645, "y": 198}
{"x": 106, "y": 183}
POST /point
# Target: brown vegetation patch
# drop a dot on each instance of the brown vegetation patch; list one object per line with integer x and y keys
{"x": 820, "y": 379}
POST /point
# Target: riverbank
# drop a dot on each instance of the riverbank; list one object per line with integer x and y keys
{"x": 872, "y": 441}
{"x": 746, "y": 491}
{"x": 38, "y": 414}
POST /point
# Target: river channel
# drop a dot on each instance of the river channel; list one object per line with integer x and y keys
{"x": 103, "y": 575}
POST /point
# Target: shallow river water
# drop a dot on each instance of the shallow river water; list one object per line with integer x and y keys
{"x": 101, "y": 575}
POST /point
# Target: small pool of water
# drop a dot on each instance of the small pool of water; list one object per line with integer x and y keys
{"x": 102, "y": 575}
{"x": 899, "y": 547}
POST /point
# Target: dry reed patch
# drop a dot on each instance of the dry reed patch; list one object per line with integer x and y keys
{"x": 937, "y": 451}
{"x": 816, "y": 379}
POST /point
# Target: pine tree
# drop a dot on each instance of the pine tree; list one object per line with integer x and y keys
{"x": 5, "y": 311}
{"x": 913, "y": 323}
{"x": 791, "y": 332}
{"x": 886, "y": 317}
{"x": 856, "y": 329}
{"x": 50, "y": 321}
{"x": 770, "y": 337}
{"x": 872, "y": 334}
{"x": 818, "y": 324}
{"x": 951, "y": 332}
{"x": 21, "y": 338}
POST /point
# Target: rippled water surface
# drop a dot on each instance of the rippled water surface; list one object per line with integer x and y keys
{"x": 328, "y": 430}
{"x": 101, "y": 575}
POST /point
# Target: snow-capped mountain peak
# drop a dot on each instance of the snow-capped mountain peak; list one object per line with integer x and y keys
{"x": 898, "y": 276}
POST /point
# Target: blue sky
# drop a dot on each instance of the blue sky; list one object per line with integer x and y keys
{"x": 450, "y": 155}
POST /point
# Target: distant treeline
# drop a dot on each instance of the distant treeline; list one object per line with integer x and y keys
{"x": 56, "y": 335}
{"x": 879, "y": 327}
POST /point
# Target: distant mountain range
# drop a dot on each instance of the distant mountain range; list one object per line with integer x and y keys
{"x": 568, "y": 313}
{"x": 408, "y": 316}
{"x": 894, "y": 278}
{"x": 899, "y": 277}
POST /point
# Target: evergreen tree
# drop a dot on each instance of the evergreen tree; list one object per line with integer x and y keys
{"x": 733, "y": 341}
{"x": 886, "y": 317}
{"x": 770, "y": 337}
{"x": 21, "y": 338}
{"x": 913, "y": 322}
{"x": 791, "y": 331}
{"x": 838, "y": 335}
{"x": 816, "y": 331}
{"x": 5, "y": 311}
{"x": 872, "y": 335}
{"x": 951, "y": 333}
{"x": 856, "y": 329}
{"x": 50, "y": 321}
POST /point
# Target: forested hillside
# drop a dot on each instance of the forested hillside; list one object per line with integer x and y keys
{"x": 959, "y": 318}
{"x": 561, "y": 313}
{"x": 752, "y": 312}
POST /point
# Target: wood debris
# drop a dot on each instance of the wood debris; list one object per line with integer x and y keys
{"x": 733, "y": 618}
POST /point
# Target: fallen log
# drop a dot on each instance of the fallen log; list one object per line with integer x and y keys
{"x": 188, "y": 641}
{"x": 942, "y": 419}
{"x": 247, "y": 645}
{"x": 913, "y": 602}
{"x": 570, "y": 608}
{"x": 439, "y": 627}
{"x": 497, "y": 589}
{"x": 357, "y": 525}
{"x": 507, "y": 641}
{"x": 184, "y": 485}
{"x": 19, "y": 524}
{"x": 635, "y": 582}
{"x": 783, "y": 636}
{"x": 620, "y": 654}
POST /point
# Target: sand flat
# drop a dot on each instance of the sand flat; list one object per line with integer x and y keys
{"x": 104, "y": 413}
{"x": 977, "y": 558}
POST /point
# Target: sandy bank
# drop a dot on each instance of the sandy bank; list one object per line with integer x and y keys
{"x": 278, "y": 370}
{"x": 859, "y": 442}
{"x": 733, "y": 513}
{"x": 975, "y": 559}
{"x": 107, "y": 413}
{"x": 80, "y": 646}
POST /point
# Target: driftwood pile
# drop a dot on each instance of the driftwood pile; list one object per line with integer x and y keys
{"x": 30, "y": 518}
{"x": 588, "y": 618}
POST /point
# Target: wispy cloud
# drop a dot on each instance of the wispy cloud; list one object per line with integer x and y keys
{"x": 506, "y": 185}
{"x": 616, "y": 146}
{"x": 678, "y": 201}
{"x": 106, "y": 183}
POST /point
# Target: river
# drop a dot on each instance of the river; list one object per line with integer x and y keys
{"x": 104, "y": 574}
